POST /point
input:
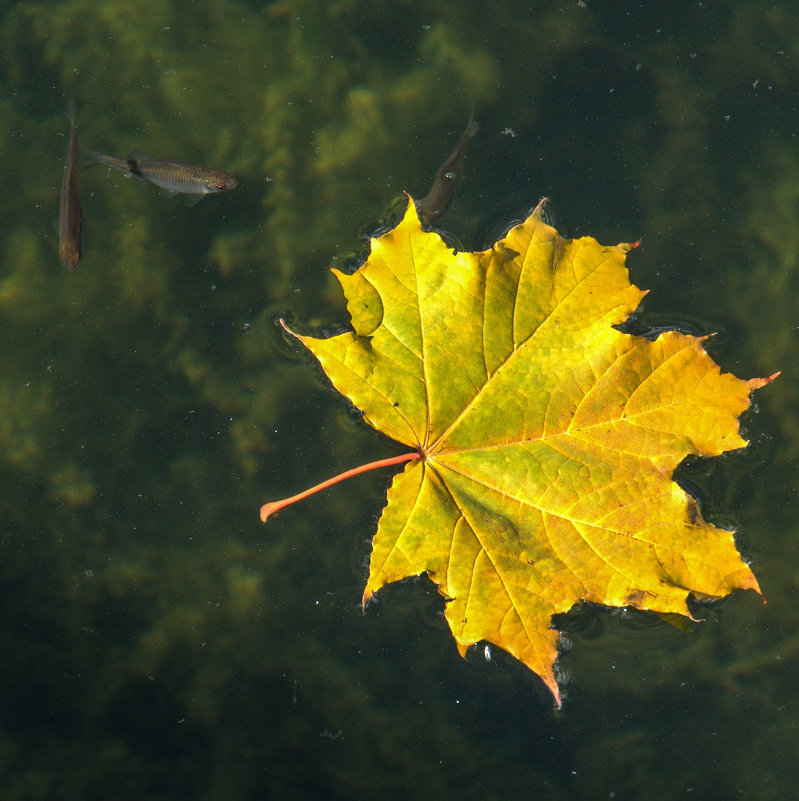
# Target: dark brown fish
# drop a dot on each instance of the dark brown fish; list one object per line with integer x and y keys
{"x": 70, "y": 217}
{"x": 434, "y": 205}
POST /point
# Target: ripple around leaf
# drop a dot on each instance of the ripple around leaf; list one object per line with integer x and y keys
{"x": 544, "y": 439}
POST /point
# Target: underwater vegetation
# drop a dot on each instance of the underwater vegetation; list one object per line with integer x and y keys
{"x": 159, "y": 642}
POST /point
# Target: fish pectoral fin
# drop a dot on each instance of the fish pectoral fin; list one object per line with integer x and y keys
{"x": 189, "y": 198}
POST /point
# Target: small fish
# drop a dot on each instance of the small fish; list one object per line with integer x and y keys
{"x": 434, "y": 205}
{"x": 70, "y": 215}
{"x": 174, "y": 176}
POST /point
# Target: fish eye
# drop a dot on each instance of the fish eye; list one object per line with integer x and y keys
{"x": 450, "y": 176}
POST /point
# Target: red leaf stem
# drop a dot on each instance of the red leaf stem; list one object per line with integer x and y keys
{"x": 275, "y": 506}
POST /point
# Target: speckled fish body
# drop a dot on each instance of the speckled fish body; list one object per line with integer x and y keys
{"x": 174, "y": 176}
{"x": 70, "y": 215}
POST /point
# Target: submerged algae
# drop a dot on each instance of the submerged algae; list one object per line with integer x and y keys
{"x": 148, "y": 402}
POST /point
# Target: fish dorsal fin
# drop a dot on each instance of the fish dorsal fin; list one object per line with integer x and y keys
{"x": 142, "y": 155}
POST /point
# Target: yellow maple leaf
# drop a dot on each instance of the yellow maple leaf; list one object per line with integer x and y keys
{"x": 544, "y": 438}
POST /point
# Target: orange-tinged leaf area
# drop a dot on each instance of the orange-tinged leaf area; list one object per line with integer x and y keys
{"x": 548, "y": 437}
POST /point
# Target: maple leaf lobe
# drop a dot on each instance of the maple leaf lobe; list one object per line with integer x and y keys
{"x": 549, "y": 437}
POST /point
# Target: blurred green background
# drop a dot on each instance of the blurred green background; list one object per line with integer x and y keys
{"x": 158, "y": 642}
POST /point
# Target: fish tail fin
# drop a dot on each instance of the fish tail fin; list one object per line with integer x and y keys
{"x": 472, "y": 126}
{"x": 70, "y": 110}
{"x": 89, "y": 158}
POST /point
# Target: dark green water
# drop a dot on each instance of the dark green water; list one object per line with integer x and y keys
{"x": 158, "y": 642}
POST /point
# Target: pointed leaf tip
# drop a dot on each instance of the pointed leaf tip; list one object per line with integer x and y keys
{"x": 757, "y": 383}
